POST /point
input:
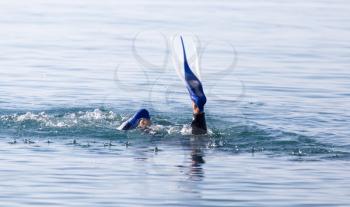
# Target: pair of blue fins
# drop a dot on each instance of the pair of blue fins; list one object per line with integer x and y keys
{"x": 193, "y": 85}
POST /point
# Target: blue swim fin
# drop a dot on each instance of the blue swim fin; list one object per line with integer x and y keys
{"x": 193, "y": 84}
{"x": 133, "y": 122}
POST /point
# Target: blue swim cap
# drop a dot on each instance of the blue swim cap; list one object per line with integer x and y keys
{"x": 193, "y": 84}
{"x": 133, "y": 122}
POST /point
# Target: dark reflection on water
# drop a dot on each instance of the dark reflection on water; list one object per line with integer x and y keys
{"x": 197, "y": 158}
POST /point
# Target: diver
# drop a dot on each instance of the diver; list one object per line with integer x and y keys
{"x": 142, "y": 118}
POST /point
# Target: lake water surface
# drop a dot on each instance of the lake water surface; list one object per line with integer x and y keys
{"x": 276, "y": 75}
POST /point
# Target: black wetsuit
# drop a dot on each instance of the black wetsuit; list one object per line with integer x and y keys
{"x": 199, "y": 125}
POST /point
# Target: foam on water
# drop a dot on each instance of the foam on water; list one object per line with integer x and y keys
{"x": 101, "y": 124}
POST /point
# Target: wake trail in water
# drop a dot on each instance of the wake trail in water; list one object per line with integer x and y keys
{"x": 101, "y": 124}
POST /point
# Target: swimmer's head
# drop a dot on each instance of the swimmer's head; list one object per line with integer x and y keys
{"x": 144, "y": 123}
{"x": 143, "y": 118}
{"x": 140, "y": 119}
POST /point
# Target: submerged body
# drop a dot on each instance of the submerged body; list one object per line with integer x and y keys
{"x": 199, "y": 125}
{"x": 142, "y": 119}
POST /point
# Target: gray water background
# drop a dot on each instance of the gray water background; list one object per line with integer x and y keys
{"x": 276, "y": 75}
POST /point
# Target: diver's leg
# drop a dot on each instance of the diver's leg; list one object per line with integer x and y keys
{"x": 199, "y": 125}
{"x": 196, "y": 92}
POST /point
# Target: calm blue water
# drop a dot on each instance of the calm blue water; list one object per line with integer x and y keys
{"x": 276, "y": 75}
